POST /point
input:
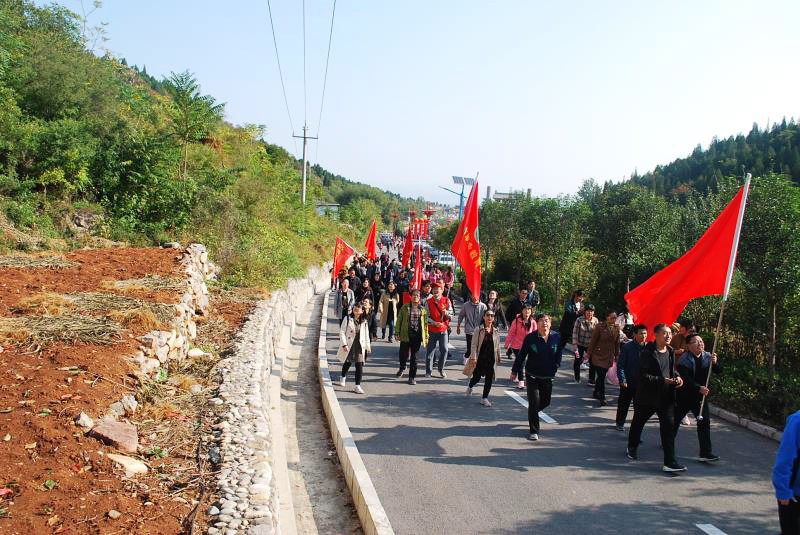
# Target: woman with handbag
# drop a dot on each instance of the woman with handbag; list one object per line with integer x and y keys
{"x": 355, "y": 346}
{"x": 485, "y": 356}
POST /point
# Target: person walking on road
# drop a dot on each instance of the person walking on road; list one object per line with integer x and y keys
{"x": 693, "y": 367}
{"x": 541, "y": 354}
{"x": 472, "y": 315}
{"x": 533, "y": 295}
{"x": 493, "y": 304}
{"x": 603, "y": 351}
{"x": 448, "y": 278}
{"x": 581, "y": 337}
{"x": 370, "y": 317}
{"x": 390, "y": 301}
{"x": 572, "y": 309}
{"x": 785, "y": 477}
{"x": 354, "y": 346}
{"x": 628, "y": 373}
{"x": 515, "y": 307}
{"x": 485, "y": 354}
{"x": 438, "y": 324}
{"x": 412, "y": 331}
{"x": 655, "y": 394}
{"x": 522, "y": 326}
{"x": 345, "y": 299}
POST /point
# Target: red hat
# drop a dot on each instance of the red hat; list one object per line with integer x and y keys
{"x": 437, "y": 284}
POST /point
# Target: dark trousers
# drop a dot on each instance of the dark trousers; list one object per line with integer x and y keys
{"x": 789, "y": 516}
{"x": 390, "y": 325}
{"x": 592, "y": 373}
{"x": 408, "y": 351}
{"x": 359, "y": 370}
{"x": 469, "y": 345}
{"x": 666, "y": 425}
{"x": 703, "y": 426}
{"x": 344, "y": 315}
{"x": 576, "y": 366}
{"x": 600, "y": 383}
{"x": 626, "y": 395}
{"x": 487, "y": 383}
{"x": 518, "y": 372}
{"x": 539, "y": 392}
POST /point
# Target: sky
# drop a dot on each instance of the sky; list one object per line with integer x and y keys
{"x": 530, "y": 94}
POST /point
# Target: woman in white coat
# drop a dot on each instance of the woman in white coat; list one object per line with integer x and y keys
{"x": 485, "y": 356}
{"x": 355, "y": 345}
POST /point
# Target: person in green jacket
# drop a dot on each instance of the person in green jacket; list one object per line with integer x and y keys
{"x": 412, "y": 330}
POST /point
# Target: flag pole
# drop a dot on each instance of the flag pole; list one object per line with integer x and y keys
{"x": 728, "y": 280}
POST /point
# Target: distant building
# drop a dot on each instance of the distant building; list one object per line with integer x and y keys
{"x": 329, "y": 209}
{"x": 502, "y": 196}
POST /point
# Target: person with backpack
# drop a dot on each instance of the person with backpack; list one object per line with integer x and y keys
{"x": 522, "y": 326}
{"x": 785, "y": 478}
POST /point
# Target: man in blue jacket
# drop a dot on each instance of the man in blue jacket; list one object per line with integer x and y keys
{"x": 543, "y": 354}
{"x": 693, "y": 367}
{"x": 628, "y": 373}
{"x": 785, "y": 479}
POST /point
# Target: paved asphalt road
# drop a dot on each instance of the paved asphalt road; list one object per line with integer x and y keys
{"x": 442, "y": 463}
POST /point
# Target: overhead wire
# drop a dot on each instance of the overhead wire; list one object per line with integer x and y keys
{"x": 325, "y": 80}
{"x": 305, "y": 92}
{"x": 280, "y": 70}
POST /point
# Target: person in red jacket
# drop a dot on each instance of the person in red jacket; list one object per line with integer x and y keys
{"x": 438, "y": 325}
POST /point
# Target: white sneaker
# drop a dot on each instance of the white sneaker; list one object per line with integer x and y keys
{"x": 521, "y": 385}
{"x": 358, "y": 389}
{"x": 442, "y": 374}
{"x": 342, "y": 380}
{"x": 584, "y": 366}
{"x": 486, "y": 403}
{"x": 469, "y": 390}
{"x": 686, "y": 421}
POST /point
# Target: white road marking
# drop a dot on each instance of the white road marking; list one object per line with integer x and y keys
{"x": 711, "y": 529}
{"x": 522, "y": 401}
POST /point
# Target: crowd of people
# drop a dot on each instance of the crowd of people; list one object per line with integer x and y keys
{"x": 666, "y": 377}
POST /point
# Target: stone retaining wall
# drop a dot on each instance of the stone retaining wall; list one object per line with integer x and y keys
{"x": 249, "y": 500}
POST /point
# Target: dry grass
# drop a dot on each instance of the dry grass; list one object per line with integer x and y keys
{"x": 137, "y": 319}
{"x": 151, "y": 282}
{"x": 31, "y": 262}
{"x": 46, "y": 304}
{"x": 67, "y": 328}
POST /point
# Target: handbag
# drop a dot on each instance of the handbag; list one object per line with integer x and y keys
{"x": 469, "y": 367}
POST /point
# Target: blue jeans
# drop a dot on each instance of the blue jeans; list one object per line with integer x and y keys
{"x": 390, "y": 325}
{"x": 433, "y": 339}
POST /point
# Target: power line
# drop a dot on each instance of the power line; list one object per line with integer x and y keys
{"x": 325, "y": 80}
{"x": 280, "y": 71}
{"x": 305, "y": 92}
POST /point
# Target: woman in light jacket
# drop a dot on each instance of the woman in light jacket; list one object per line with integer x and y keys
{"x": 354, "y": 346}
{"x": 390, "y": 300}
{"x": 486, "y": 356}
{"x": 603, "y": 350}
{"x": 522, "y": 326}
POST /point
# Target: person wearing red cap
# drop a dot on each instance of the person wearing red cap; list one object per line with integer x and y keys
{"x": 438, "y": 325}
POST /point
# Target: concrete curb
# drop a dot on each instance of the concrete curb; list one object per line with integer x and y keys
{"x": 368, "y": 506}
{"x": 761, "y": 429}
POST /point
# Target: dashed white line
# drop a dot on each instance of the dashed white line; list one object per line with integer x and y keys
{"x": 711, "y": 529}
{"x": 522, "y": 401}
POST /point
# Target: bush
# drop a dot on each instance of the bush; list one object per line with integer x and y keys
{"x": 506, "y": 290}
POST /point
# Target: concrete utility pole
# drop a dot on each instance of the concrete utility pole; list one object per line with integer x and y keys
{"x": 305, "y": 137}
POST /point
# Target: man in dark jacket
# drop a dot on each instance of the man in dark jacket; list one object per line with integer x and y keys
{"x": 515, "y": 306}
{"x": 693, "y": 367}
{"x": 533, "y": 295}
{"x": 655, "y": 394}
{"x": 540, "y": 348}
{"x": 628, "y": 373}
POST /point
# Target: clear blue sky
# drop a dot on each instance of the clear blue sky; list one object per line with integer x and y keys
{"x": 537, "y": 95}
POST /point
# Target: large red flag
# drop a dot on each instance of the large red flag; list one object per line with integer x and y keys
{"x": 466, "y": 247}
{"x": 417, "y": 282}
{"x": 341, "y": 253}
{"x": 407, "y": 248}
{"x": 372, "y": 254}
{"x": 706, "y": 269}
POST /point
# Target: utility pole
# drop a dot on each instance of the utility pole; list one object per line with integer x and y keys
{"x": 305, "y": 137}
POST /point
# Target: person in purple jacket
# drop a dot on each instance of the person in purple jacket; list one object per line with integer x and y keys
{"x": 785, "y": 478}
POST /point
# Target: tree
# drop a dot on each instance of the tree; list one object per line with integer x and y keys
{"x": 769, "y": 253}
{"x": 194, "y": 116}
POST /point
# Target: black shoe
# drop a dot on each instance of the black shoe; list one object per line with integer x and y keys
{"x": 603, "y": 403}
{"x": 708, "y": 458}
{"x": 594, "y": 395}
{"x": 619, "y": 427}
{"x": 590, "y": 383}
{"x": 412, "y": 382}
{"x": 391, "y": 340}
{"x": 673, "y": 467}
{"x": 399, "y": 374}
{"x": 631, "y": 454}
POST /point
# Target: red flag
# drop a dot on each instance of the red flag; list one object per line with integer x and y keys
{"x": 341, "y": 253}
{"x": 407, "y": 248}
{"x": 417, "y": 282}
{"x": 706, "y": 269}
{"x": 466, "y": 248}
{"x": 372, "y": 254}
